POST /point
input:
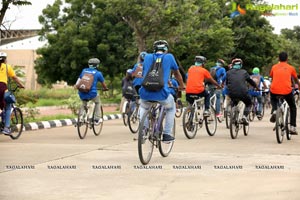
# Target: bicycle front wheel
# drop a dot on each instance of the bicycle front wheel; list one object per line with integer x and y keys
{"x": 234, "y": 123}
{"x": 133, "y": 119}
{"x": 189, "y": 126}
{"x": 97, "y": 124}
{"x": 211, "y": 122}
{"x": 279, "y": 126}
{"x": 17, "y": 123}
{"x": 125, "y": 113}
{"x": 82, "y": 124}
{"x": 145, "y": 138}
{"x": 165, "y": 148}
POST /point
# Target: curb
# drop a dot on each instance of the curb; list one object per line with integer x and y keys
{"x": 63, "y": 122}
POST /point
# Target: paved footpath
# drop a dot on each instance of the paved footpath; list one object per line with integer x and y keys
{"x": 51, "y": 164}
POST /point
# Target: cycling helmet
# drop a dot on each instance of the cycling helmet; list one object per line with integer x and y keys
{"x": 237, "y": 63}
{"x": 255, "y": 70}
{"x": 200, "y": 59}
{"x": 160, "y": 45}
{"x": 94, "y": 62}
{"x": 3, "y": 55}
{"x": 142, "y": 55}
{"x": 129, "y": 71}
{"x": 221, "y": 61}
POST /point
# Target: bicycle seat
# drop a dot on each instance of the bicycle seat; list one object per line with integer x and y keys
{"x": 195, "y": 97}
{"x": 279, "y": 96}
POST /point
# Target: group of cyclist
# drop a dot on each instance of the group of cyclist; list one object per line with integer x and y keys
{"x": 234, "y": 82}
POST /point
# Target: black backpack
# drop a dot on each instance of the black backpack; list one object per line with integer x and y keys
{"x": 154, "y": 79}
{"x": 213, "y": 72}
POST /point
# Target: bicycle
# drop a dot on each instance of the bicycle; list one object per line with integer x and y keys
{"x": 227, "y": 110}
{"x": 282, "y": 120}
{"x": 133, "y": 115}
{"x": 129, "y": 107}
{"x": 179, "y": 108}
{"x": 193, "y": 118}
{"x": 213, "y": 103}
{"x": 87, "y": 119}
{"x": 254, "y": 110}
{"x": 236, "y": 115}
{"x": 16, "y": 119}
{"x": 150, "y": 133}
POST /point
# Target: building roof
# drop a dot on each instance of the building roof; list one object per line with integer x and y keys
{"x": 31, "y": 43}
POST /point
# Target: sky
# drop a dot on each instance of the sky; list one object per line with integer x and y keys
{"x": 26, "y": 17}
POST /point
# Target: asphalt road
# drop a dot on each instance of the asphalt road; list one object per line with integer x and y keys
{"x": 55, "y": 164}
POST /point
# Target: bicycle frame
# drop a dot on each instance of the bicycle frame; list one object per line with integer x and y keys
{"x": 198, "y": 106}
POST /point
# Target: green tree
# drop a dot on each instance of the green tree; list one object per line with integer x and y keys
{"x": 7, "y": 3}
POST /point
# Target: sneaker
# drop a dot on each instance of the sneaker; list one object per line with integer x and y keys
{"x": 259, "y": 116}
{"x": 97, "y": 121}
{"x": 206, "y": 113}
{"x": 245, "y": 120}
{"x": 167, "y": 138}
{"x": 6, "y": 131}
{"x": 273, "y": 117}
{"x": 293, "y": 130}
{"x": 219, "y": 115}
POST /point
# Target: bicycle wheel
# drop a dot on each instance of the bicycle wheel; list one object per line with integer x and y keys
{"x": 166, "y": 148}
{"x": 252, "y": 113}
{"x": 234, "y": 123}
{"x": 227, "y": 115}
{"x": 287, "y": 123}
{"x": 133, "y": 120}
{"x": 145, "y": 139}
{"x": 16, "y": 119}
{"x": 82, "y": 125}
{"x": 211, "y": 122}
{"x": 125, "y": 113}
{"x": 179, "y": 108}
{"x": 97, "y": 125}
{"x": 189, "y": 125}
{"x": 279, "y": 126}
{"x": 246, "y": 129}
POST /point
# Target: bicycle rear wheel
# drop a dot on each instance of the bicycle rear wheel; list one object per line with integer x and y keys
{"x": 145, "y": 138}
{"x": 179, "y": 108}
{"x": 17, "y": 123}
{"x": 227, "y": 116}
{"x": 211, "y": 122}
{"x": 279, "y": 126}
{"x": 97, "y": 125}
{"x": 166, "y": 148}
{"x": 82, "y": 125}
{"x": 252, "y": 113}
{"x": 287, "y": 123}
{"x": 133, "y": 120}
{"x": 189, "y": 125}
{"x": 234, "y": 123}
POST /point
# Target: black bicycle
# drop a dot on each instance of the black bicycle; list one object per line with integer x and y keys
{"x": 150, "y": 133}
{"x": 16, "y": 119}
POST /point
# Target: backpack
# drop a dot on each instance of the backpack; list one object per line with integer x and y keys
{"x": 213, "y": 72}
{"x": 86, "y": 82}
{"x": 256, "y": 79}
{"x": 154, "y": 79}
{"x": 128, "y": 90}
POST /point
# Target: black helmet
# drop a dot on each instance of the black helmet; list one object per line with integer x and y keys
{"x": 94, "y": 62}
{"x": 200, "y": 59}
{"x": 161, "y": 45}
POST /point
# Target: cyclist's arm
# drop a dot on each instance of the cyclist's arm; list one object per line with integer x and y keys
{"x": 16, "y": 79}
{"x": 179, "y": 79}
{"x": 211, "y": 80}
{"x": 105, "y": 88}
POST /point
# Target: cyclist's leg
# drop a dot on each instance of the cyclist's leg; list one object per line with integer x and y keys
{"x": 293, "y": 108}
{"x": 143, "y": 108}
{"x": 274, "y": 102}
{"x": 7, "y": 114}
{"x": 259, "y": 100}
{"x": 96, "y": 100}
{"x": 246, "y": 98}
{"x": 218, "y": 101}
{"x": 170, "y": 109}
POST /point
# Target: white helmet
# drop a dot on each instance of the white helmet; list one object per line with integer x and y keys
{"x": 2, "y": 55}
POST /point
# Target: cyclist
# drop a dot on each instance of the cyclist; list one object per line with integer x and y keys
{"x": 281, "y": 85}
{"x": 218, "y": 72}
{"x": 173, "y": 85}
{"x": 92, "y": 94}
{"x": 163, "y": 96}
{"x": 260, "y": 82}
{"x": 6, "y": 71}
{"x": 197, "y": 74}
{"x": 137, "y": 72}
{"x": 128, "y": 91}
{"x": 236, "y": 82}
